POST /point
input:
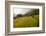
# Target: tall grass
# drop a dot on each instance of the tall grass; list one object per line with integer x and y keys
{"x": 27, "y": 21}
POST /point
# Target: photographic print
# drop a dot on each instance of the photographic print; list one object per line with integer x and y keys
{"x": 25, "y": 17}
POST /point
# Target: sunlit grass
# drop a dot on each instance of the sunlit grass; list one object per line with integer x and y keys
{"x": 27, "y": 21}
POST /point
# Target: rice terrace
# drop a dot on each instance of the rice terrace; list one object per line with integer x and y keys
{"x": 25, "y": 17}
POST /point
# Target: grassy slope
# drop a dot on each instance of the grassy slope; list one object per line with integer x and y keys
{"x": 26, "y": 21}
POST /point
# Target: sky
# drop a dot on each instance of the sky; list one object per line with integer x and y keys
{"x": 20, "y": 11}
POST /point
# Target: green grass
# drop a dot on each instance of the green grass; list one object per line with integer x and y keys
{"x": 27, "y": 21}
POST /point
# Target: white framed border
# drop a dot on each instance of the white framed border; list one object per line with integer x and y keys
{"x": 29, "y": 28}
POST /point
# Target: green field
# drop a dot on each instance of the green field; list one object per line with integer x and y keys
{"x": 26, "y": 21}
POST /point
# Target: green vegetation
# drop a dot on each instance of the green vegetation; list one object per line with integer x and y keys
{"x": 27, "y": 20}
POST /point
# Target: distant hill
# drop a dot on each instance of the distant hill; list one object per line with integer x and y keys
{"x": 29, "y": 13}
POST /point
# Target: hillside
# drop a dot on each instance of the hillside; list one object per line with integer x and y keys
{"x": 26, "y": 21}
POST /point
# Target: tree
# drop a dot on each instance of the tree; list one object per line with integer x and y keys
{"x": 19, "y": 15}
{"x": 33, "y": 12}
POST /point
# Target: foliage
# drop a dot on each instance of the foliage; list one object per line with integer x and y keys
{"x": 19, "y": 15}
{"x": 33, "y": 12}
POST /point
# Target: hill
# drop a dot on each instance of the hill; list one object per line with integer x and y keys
{"x": 26, "y": 21}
